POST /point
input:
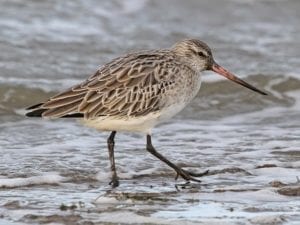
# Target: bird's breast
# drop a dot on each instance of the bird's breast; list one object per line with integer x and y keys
{"x": 178, "y": 98}
{"x": 185, "y": 89}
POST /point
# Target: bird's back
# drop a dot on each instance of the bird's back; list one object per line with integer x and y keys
{"x": 130, "y": 86}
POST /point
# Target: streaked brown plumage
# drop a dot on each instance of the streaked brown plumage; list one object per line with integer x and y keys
{"x": 137, "y": 91}
{"x": 133, "y": 85}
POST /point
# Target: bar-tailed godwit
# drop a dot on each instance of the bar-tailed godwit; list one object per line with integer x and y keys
{"x": 136, "y": 92}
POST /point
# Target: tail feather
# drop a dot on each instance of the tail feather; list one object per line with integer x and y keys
{"x": 35, "y": 113}
{"x": 60, "y": 106}
{"x": 61, "y": 111}
{"x": 35, "y": 106}
{"x": 57, "y": 103}
{"x": 39, "y": 113}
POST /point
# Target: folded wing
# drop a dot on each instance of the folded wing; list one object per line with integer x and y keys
{"x": 128, "y": 86}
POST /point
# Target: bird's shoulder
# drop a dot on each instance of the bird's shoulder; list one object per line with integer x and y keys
{"x": 136, "y": 68}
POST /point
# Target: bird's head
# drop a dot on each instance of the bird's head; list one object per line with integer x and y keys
{"x": 199, "y": 56}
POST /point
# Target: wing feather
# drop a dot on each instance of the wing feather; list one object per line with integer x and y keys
{"x": 133, "y": 85}
{"x": 61, "y": 111}
{"x": 55, "y": 103}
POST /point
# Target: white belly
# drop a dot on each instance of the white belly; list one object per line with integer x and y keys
{"x": 143, "y": 124}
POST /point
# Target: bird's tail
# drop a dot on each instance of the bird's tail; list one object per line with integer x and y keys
{"x": 60, "y": 106}
{"x": 38, "y": 112}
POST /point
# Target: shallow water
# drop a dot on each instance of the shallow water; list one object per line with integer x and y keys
{"x": 56, "y": 171}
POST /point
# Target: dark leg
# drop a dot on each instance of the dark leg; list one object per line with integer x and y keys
{"x": 180, "y": 172}
{"x": 111, "y": 144}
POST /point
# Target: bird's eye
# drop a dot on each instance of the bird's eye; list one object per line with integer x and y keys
{"x": 201, "y": 54}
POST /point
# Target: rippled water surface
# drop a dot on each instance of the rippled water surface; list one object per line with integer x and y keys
{"x": 56, "y": 171}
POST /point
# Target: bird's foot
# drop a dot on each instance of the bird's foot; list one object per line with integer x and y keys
{"x": 114, "y": 182}
{"x": 190, "y": 176}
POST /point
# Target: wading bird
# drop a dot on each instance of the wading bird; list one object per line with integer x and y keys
{"x": 136, "y": 92}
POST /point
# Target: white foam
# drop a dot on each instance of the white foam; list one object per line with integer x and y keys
{"x": 128, "y": 218}
{"x": 286, "y": 175}
{"x": 106, "y": 200}
{"x": 47, "y": 178}
{"x": 104, "y": 175}
{"x": 268, "y": 219}
{"x": 132, "y": 218}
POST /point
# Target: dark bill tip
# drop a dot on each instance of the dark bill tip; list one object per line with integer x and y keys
{"x": 222, "y": 71}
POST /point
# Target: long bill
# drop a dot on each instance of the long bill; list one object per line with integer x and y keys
{"x": 222, "y": 71}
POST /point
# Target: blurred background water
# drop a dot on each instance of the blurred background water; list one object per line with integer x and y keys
{"x": 245, "y": 139}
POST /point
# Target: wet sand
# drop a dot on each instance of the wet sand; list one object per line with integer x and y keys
{"x": 57, "y": 172}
